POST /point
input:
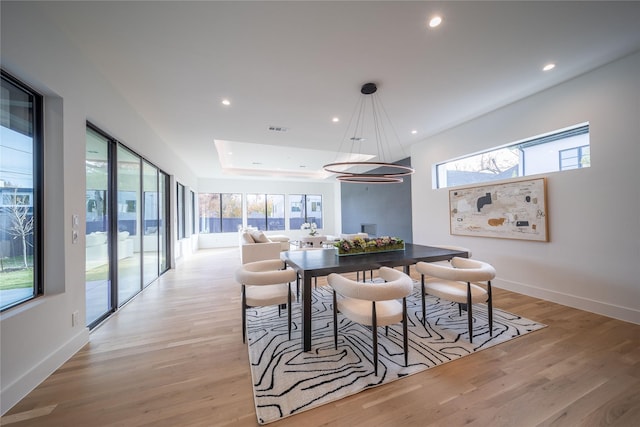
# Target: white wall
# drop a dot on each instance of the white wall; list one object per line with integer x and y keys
{"x": 330, "y": 192}
{"x": 592, "y": 261}
{"x": 37, "y": 337}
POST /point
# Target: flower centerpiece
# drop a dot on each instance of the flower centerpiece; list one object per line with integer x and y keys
{"x": 363, "y": 245}
{"x": 313, "y": 228}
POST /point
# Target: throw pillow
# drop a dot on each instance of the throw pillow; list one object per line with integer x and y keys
{"x": 246, "y": 238}
{"x": 259, "y": 236}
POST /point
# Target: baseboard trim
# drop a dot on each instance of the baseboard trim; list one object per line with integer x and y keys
{"x": 24, "y": 385}
{"x": 610, "y": 310}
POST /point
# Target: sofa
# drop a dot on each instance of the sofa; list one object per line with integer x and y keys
{"x": 97, "y": 250}
{"x": 257, "y": 246}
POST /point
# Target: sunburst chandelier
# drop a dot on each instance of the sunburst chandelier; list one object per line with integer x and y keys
{"x": 379, "y": 171}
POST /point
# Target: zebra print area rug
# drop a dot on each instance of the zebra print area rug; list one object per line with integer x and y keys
{"x": 287, "y": 381}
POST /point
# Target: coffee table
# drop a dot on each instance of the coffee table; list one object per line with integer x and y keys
{"x": 322, "y": 262}
{"x": 314, "y": 241}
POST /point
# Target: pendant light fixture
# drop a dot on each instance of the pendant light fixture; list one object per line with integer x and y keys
{"x": 364, "y": 135}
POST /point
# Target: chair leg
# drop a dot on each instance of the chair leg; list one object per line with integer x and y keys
{"x": 335, "y": 320}
{"x": 459, "y": 309}
{"x": 386, "y": 331}
{"x": 469, "y": 315}
{"x": 490, "y": 302}
{"x": 405, "y": 338}
{"x": 244, "y": 314}
{"x": 424, "y": 310}
{"x": 289, "y": 308}
{"x": 374, "y": 328}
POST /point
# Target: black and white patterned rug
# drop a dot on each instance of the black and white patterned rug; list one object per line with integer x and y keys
{"x": 287, "y": 380}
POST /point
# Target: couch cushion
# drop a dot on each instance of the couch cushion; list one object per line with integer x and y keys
{"x": 246, "y": 238}
{"x": 259, "y": 236}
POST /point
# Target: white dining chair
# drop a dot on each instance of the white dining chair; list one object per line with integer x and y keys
{"x": 373, "y": 304}
{"x": 265, "y": 283}
{"x": 459, "y": 282}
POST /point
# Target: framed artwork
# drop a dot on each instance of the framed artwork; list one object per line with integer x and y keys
{"x": 508, "y": 210}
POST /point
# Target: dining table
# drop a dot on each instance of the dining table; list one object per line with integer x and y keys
{"x": 322, "y": 262}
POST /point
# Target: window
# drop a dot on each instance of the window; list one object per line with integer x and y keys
{"x": 257, "y": 211}
{"x": 126, "y": 236}
{"x": 560, "y": 150}
{"x": 192, "y": 214}
{"x": 180, "y": 205}
{"x": 21, "y": 148}
{"x": 573, "y": 158}
{"x": 220, "y": 213}
{"x": 305, "y": 208}
{"x": 275, "y": 211}
{"x": 210, "y": 213}
{"x": 265, "y": 211}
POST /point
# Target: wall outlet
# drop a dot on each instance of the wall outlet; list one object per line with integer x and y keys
{"x": 74, "y": 318}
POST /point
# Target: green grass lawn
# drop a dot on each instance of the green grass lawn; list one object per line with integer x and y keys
{"x": 16, "y": 279}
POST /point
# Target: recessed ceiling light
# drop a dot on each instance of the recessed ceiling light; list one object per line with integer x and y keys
{"x": 335, "y": 120}
{"x": 413, "y": 132}
{"x": 226, "y": 102}
{"x": 549, "y": 67}
{"x": 435, "y": 21}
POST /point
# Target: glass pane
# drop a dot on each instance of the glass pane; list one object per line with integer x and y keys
{"x": 97, "y": 265}
{"x": 296, "y": 211}
{"x": 314, "y": 209}
{"x": 209, "y": 212}
{"x": 231, "y": 212}
{"x": 275, "y": 211}
{"x": 560, "y": 150}
{"x": 256, "y": 213}
{"x": 192, "y": 215}
{"x": 163, "y": 204}
{"x": 17, "y": 183}
{"x": 128, "y": 239}
{"x": 150, "y": 233}
{"x": 180, "y": 210}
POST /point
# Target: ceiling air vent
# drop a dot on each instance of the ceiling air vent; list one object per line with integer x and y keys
{"x": 278, "y": 129}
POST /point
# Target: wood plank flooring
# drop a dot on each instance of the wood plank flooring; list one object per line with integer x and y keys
{"x": 174, "y": 357}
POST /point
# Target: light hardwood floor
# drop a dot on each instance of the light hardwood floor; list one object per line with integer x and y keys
{"x": 174, "y": 357}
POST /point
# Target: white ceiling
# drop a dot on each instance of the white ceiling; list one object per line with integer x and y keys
{"x": 299, "y": 64}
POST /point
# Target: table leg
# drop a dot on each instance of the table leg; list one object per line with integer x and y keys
{"x": 306, "y": 312}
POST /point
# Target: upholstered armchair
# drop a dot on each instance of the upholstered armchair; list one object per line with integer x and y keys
{"x": 373, "y": 304}
{"x": 256, "y": 246}
{"x": 465, "y": 281}
{"x": 265, "y": 283}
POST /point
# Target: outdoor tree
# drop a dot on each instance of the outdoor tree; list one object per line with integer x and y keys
{"x": 21, "y": 223}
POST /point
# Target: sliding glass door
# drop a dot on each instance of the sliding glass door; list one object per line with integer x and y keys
{"x": 163, "y": 219}
{"x": 97, "y": 246}
{"x": 127, "y": 246}
{"x": 150, "y": 232}
{"x": 129, "y": 225}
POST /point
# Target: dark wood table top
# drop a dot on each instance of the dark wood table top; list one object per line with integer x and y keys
{"x": 322, "y": 262}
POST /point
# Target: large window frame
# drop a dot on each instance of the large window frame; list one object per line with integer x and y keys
{"x": 266, "y": 211}
{"x": 305, "y": 208}
{"x": 532, "y": 156}
{"x": 29, "y": 122}
{"x": 180, "y": 209}
{"x": 219, "y": 212}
